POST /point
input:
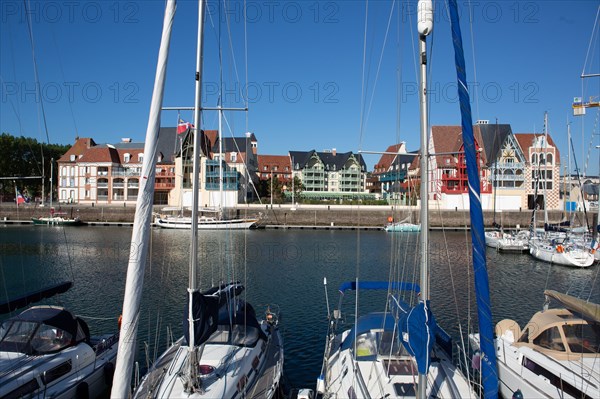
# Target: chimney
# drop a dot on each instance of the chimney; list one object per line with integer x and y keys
{"x": 125, "y": 140}
{"x": 334, "y": 151}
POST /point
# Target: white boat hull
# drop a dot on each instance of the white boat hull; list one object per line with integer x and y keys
{"x": 402, "y": 227}
{"x": 565, "y": 255}
{"x": 506, "y": 242}
{"x": 237, "y": 371}
{"x": 205, "y": 224}
{"x": 533, "y": 373}
{"x": 389, "y": 376}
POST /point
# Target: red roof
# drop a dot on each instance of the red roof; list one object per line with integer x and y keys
{"x": 525, "y": 140}
{"x": 101, "y": 154}
{"x": 79, "y": 148}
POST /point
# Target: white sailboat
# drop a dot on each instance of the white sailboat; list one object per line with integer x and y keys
{"x": 399, "y": 352}
{"x": 556, "y": 355}
{"x": 556, "y": 248}
{"x": 226, "y": 350}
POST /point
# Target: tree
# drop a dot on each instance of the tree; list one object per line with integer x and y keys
{"x": 26, "y": 157}
{"x": 297, "y": 187}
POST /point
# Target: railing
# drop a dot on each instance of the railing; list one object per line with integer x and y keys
{"x": 102, "y": 197}
{"x": 226, "y": 186}
{"x": 164, "y": 185}
{"x": 102, "y": 185}
{"x": 118, "y": 185}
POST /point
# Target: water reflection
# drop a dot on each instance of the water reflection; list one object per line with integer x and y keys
{"x": 282, "y": 269}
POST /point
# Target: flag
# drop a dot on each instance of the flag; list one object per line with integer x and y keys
{"x": 183, "y": 126}
{"x": 20, "y": 198}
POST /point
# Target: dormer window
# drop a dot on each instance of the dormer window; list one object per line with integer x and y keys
{"x": 72, "y": 158}
{"x": 126, "y": 157}
{"x": 140, "y": 157}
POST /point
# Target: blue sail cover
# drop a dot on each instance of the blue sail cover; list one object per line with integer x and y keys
{"x": 489, "y": 367}
{"x": 418, "y": 329}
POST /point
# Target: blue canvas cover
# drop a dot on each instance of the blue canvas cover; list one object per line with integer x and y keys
{"x": 418, "y": 329}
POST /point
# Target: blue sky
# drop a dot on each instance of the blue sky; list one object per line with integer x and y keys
{"x": 96, "y": 63}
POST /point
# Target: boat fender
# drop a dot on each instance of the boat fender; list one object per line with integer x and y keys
{"x": 559, "y": 249}
{"x": 120, "y": 321}
{"x": 518, "y": 394}
{"x": 390, "y": 219}
{"x": 82, "y": 391}
{"x": 109, "y": 372}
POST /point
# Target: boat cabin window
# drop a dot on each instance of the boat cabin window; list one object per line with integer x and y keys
{"x": 583, "y": 338}
{"x": 388, "y": 344}
{"x": 550, "y": 339}
{"x": 524, "y": 336}
{"x": 366, "y": 346}
{"x": 32, "y": 338}
{"x": 239, "y": 335}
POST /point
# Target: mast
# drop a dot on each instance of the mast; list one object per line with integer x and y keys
{"x": 51, "y": 173}
{"x": 425, "y": 26}
{"x": 193, "y": 284}
{"x": 141, "y": 226}
{"x": 545, "y": 167}
{"x": 489, "y": 371}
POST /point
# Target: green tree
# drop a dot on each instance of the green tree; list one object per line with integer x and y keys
{"x": 26, "y": 157}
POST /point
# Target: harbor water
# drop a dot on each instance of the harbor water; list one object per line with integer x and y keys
{"x": 283, "y": 270}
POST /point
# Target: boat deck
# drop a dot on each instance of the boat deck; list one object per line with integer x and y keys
{"x": 273, "y": 363}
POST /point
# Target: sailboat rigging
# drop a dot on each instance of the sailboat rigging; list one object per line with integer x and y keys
{"x": 225, "y": 351}
{"x": 381, "y": 354}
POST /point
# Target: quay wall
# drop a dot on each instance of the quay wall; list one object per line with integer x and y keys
{"x": 303, "y": 215}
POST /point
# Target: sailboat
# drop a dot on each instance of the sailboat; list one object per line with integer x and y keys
{"x": 56, "y": 218}
{"x": 226, "y": 350}
{"x": 557, "y": 354}
{"x": 551, "y": 247}
{"x": 400, "y": 352}
{"x": 504, "y": 241}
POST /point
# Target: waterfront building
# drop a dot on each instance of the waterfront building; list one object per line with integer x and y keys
{"x": 330, "y": 175}
{"x": 278, "y": 166}
{"x": 90, "y": 173}
{"x": 391, "y": 178}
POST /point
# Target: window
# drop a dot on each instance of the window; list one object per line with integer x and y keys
{"x": 549, "y": 159}
{"x": 141, "y": 157}
{"x": 126, "y": 157}
{"x": 534, "y": 159}
{"x": 550, "y": 339}
{"x": 233, "y": 157}
{"x": 583, "y": 338}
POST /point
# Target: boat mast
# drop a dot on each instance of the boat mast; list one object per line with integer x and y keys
{"x": 141, "y": 226}
{"x": 193, "y": 382}
{"x": 425, "y": 26}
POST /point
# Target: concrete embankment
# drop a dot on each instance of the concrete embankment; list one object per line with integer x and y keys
{"x": 301, "y": 215}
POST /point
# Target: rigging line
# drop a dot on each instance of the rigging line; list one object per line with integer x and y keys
{"x": 35, "y": 70}
{"x": 12, "y": 104}
{"x": 12, "y": 52}
{"x": 591, "y": 40}
{"x": 233, "y": 60}
{"x": 380, "y": 62}
{"x": 246, "y": 63}
{"x": 476, "y": 98}
{"x": 62, "y": 72}
{"x": 68, "y": 253}
{"x": 364, "y": 61}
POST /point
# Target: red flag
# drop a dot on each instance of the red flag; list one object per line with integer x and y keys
{"x": 183, "y": 126}
{"x": 20, "y": 199}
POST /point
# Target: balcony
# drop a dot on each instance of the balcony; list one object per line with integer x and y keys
{"x": 398, "y": 175}
{"x": 226, "y": 186}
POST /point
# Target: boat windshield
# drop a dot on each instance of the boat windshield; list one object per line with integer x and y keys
{"x": 550, "y": 339}
{"x": 373, "y": 343}
{"x": 239, "y": 335}
{"x": 583, "y": 338}
{"x": 32, "y": 338}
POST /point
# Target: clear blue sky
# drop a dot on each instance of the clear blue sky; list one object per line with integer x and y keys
{"x": 96, "y": 63}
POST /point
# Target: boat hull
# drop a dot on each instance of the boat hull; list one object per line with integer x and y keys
{"x": 250, "y": 372}
{"x": 402, "y": 227}
{"x": 212, "y": 224}
{"x": 56, "y": 221}
{"x": 506, "y": 242}
{"x": 565, "y": 255}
